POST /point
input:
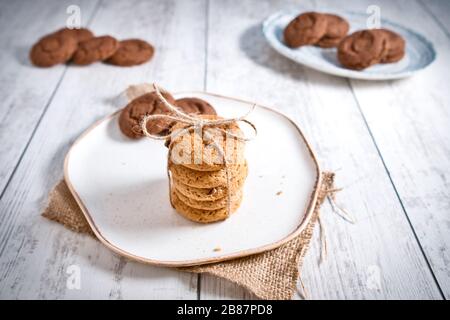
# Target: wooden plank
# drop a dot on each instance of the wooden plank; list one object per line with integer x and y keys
{"x": 439, "y": 10}
{"x": 35, "y": 254}
{"x": 409, "y": 122}
{"x": 377, "y": 258}
{"x": 25, "y": 90}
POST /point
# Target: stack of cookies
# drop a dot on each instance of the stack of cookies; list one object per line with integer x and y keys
{"x": 207, "y": 165}
{"x": 200, "y": 189}
{"x": 81, "y": 47}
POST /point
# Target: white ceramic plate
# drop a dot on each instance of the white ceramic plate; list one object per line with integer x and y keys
{"x": 419, "y": 51}
{"x": 122, "y": 187}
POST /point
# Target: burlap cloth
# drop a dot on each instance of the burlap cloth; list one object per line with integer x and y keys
{"x": 269, "y": 275}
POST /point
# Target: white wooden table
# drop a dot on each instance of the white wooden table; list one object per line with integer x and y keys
{"x": 389, "y": 143}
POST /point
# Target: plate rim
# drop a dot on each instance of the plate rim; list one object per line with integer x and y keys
{"x": 348, "y": 73}
{"x": 196, "y": 262}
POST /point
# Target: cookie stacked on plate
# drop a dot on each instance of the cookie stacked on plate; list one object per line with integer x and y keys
{"x": 200, "y": 188}
{"x": 81, "y": 47}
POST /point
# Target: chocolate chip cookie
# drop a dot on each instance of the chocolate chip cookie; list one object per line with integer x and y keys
{"x": 132, "y": 52}
{"x": 362, "y": 49}
{"x": 305, "y": 29}
{"x": 131, "y": 116}
{"x": 207, "y": 179}
{"x": 195, "y": 106}
{"x": 201, "y": 215}
{"x": 207, "y": 204}
{"x": 95, "y": 49}
{"x": 196, "y": 149}
{"x": 208, "y": 194}
{"x": 337, "y": 29}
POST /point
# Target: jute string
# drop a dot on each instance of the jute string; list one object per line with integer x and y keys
{"x": 196, "y": 124}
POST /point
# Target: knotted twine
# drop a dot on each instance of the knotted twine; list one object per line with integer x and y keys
{"x": 196, "y": 124}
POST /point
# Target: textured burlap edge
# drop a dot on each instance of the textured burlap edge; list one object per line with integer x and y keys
{"x": 269, "y": 275}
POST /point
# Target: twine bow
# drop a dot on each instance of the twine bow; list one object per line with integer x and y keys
{"x": 197, "y": 124}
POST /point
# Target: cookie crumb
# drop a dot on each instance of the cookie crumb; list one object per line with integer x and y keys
{"x": 217, "y": 249}
{"x": 279, "y": 192}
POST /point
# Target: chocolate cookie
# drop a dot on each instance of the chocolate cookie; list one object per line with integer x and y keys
{"x": 131, "y": 116}
{"x": 95, "y": 49}
{"x": 307, "y": 28}
{"x": 195, "y": 106}
{"x": 80, "y": 34}
{"x": 361, "y": 49}
{"x": 336, "y": 30}
{"x": 132, "y": 52}
{"x": 395, "y": 46}
{"x": 52, "y": 49}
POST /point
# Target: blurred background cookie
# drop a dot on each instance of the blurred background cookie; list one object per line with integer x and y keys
{"x": 53, "y": 49}
{"x": 337, "y": 29}
{"x": 80, "y": 34}
{"x": 395, "y": 46}
{"x": 307, "y": 28}
{"x": 361, "y": 49}
{"x": 132, "y": 52}
{"x": 95, "y": 49}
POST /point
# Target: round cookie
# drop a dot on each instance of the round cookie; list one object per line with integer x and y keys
{"x": 186, "y": 146}
{"x": 207, "y": 194}
{"x": 53, "y": 49}
{"x": 336, "y": 30}
{"x": 95, "y": 49}
{"x": 361, "y": 49}
{"x": 80, "y": 34}
{"x": 132, "y": 52}
{"x": 305, "y": 29}
{"x": 207, "y": 179}
{"x": 395, "y": 46}
{"x": 209, "y": 205}
{"x": 131, "y": 116}
{"x": 199, "y": 215}
{"x": 195, "y": 106}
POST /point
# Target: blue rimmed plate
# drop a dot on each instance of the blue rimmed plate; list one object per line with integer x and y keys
{"x": 419, "y": 51}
